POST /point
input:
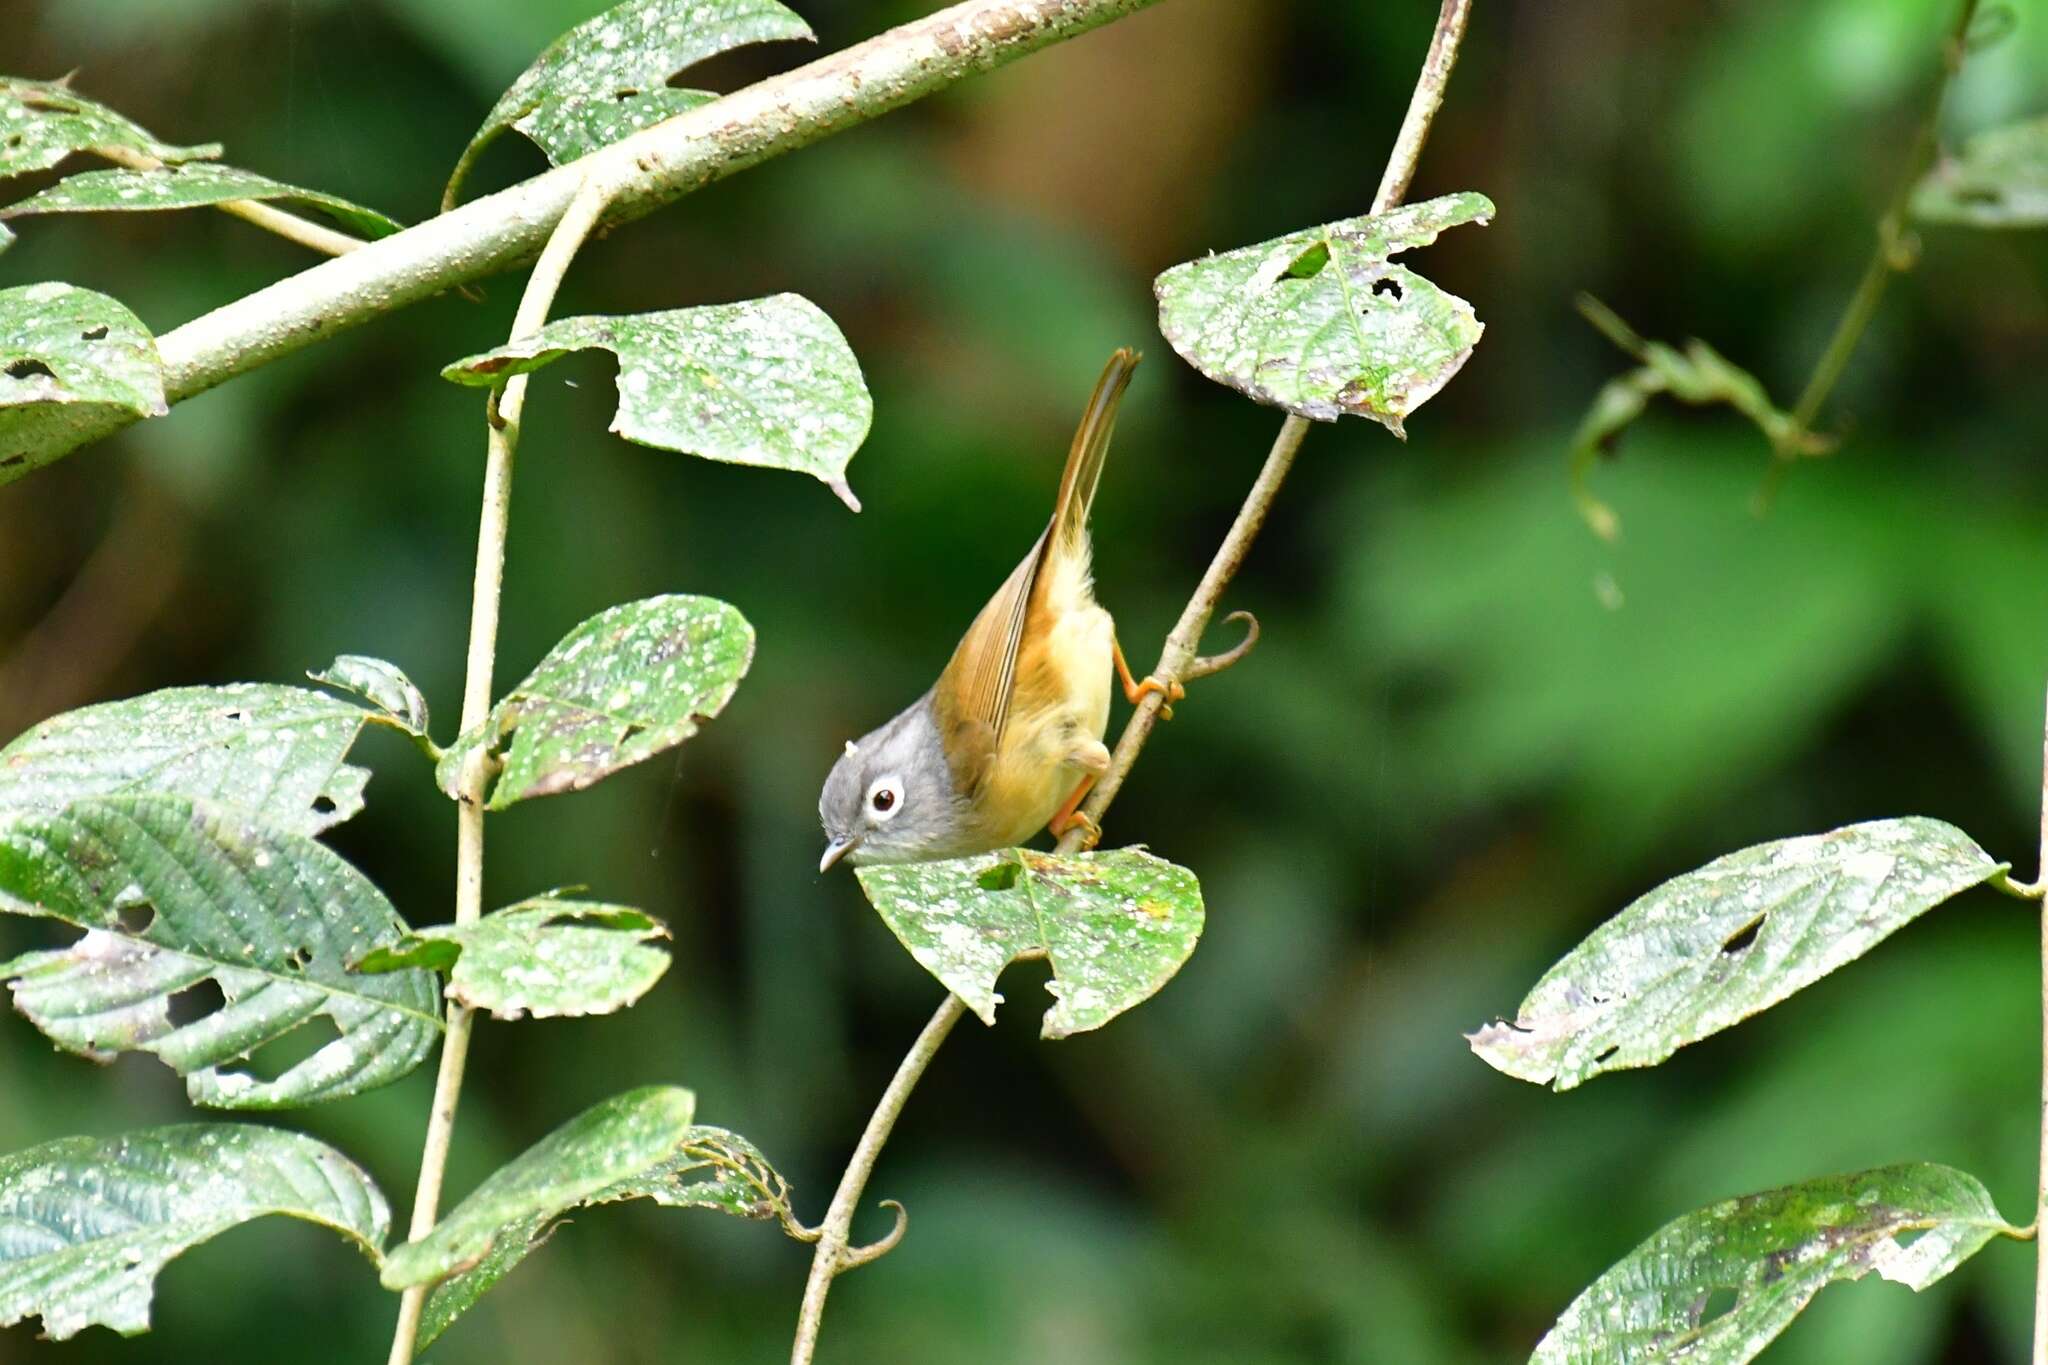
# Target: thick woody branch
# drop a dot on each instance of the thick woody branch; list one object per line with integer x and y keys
{"x": 651, "y": 168}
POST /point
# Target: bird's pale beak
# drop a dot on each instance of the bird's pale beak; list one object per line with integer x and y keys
{"x": 834, "y": 851}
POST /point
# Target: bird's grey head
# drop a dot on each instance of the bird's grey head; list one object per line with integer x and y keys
{"x": 890, "y": 798}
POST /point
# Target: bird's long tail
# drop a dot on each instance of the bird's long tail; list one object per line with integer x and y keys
{"x": 1091, "y": 448}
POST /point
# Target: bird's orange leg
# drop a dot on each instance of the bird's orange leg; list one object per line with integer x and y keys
{"x": 1135, "y": 690}
{"x": 1069, "y": 816}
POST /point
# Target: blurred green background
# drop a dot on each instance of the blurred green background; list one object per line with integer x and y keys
{"x": 1473, "y": 731}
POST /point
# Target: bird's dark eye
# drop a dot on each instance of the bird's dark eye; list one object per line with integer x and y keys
{"x": 884, "y": 799}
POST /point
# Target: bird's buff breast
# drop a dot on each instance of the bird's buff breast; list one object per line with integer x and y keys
{"x": 1063, "y": 704}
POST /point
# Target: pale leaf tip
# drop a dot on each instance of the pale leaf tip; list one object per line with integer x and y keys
{"x": 844, "y": 492}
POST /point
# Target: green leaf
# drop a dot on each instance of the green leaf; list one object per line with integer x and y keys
{"x": 1716, "y": 1286}
{"x": 186, "y": 187}
{"x": 1319, "y": 322}
{"x": 639, "y": 1145}
{"x": 608, "y": 76}
{"x": 768, "y": 382}
{"x": 546, "y": 958}
{"x": 1999, "y": 181}
{"x": 623, "y": 686}
{"x": 174, "y": 894}
{"x": 383, "y": 685}
{"x": 87, "y": 1223}
{"x": 273, "y": 753}
{"x": 1116, "y": 925}
{"x": 67, "y": 357}
{"x": 1706, "y": 950}
{"x": 42, "y": 122}
{"x": 708, "y": 1168}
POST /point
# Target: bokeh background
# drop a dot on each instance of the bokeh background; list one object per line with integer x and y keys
{"x": 1473, "y": 731}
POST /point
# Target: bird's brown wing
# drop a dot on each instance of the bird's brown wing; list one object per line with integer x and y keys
{"x": 973, "y": 694}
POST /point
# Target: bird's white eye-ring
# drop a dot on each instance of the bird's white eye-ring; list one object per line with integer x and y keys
{"x": 885, "y": 798}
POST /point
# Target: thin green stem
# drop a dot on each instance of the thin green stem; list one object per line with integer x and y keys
{"x": 501, "y": 445}
{"x": 833, "y": 1253}
{"x": 1179, "y": 654}
{"x": 1892, "y": 255}
{"x": 1179, "y": 661}
{"x": 2040, "y": 1355}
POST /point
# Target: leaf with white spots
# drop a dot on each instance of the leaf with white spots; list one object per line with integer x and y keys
{"x": 68, "y": 357}
{"x": 708, "y": 1168}
{"x": 1999, "y": 181}
{"x": 643, "y": 1144}
{"x": 624, "y": 686}
{"x": 1321, "y": 322}
{"x": 608, "y": 76}
{"x": 1717, "y": 1286}
{"x": 1706, "y": 950}
{"x": 767, "y": 382}
{"x": 42, "y": 122}
{"x": 547, "y": 958}
{"x": 274, "y": 753}
{"x": 86, "y": 1224}
{"x": 383, "y": 685}
{"x": 1116, "y": 925}
{"x": 174, "y": 895}
{"x": 198, "y": 185}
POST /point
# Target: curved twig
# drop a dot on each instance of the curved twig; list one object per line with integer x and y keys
{"x": 853, "y": 1257}
{"x": 1208, "y": 665}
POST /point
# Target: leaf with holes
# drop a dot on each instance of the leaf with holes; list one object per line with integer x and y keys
{"x": 174, "y": 895}
{"x": 708, "y": 1168}
{"x": 623, "y": 686}
{"x": 274, "y": 753}
{"x": 1999, "y": 181}
{"x": 546, "y": 958}
{"x": 86, "y": 1224}
{"x": 1706, "y": 950}
{"x": 383, "y": 685}
{"x": 608, "y": 76}
{"x": 1321, "y": 322}
{"x": 1115, "y": 925}
{"x": 1717, "y": 1286}
{"x": 642, "y": 1144}
{"x": 68, "y": 357}
{"x": 185, "y": 187}
{"x": 42, "y": 122}
{"x": 768, "y": 382}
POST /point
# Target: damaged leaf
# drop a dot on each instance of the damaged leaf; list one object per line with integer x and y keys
{"x": 42, "y": 122}
{"x": 1116, "y": 925}
{"x": 1999, "y": 181}
{"x": 86, "y": 1224}
{"x": 68, "y": 357}
{"x": 383, "y": 685}
{"x": 639, "y": 1145}
{"x": 765, "y": 382}
{"x": 1321, "y": 322}
{"x": 608, "y": 76}
{"x": 1717, "y": 1286}
{"x": 184, "y": 187}
{"x": 623, "y": 686}
{"x": 708, "y": 1168}
{"x": 273, "y": 753}
{"x": 1707, "y": 950}
{"x": 546, "y": 958}
{"x": 175, "y": 895}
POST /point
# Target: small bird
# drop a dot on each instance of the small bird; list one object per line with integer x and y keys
{"x": 1009, "y": 738}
